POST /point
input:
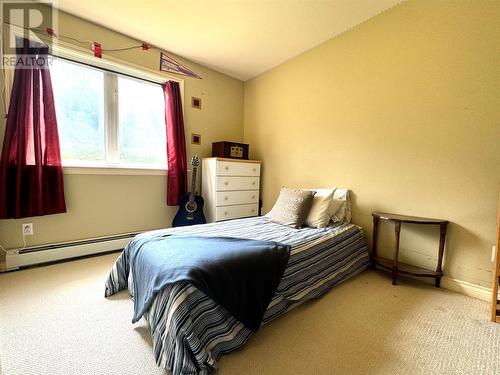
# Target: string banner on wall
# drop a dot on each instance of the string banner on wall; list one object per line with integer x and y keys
{"x": 168, "y": 64}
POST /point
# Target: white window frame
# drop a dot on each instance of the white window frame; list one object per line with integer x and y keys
{"x": 113, "y": 67}
{"x": 111, "y": 151}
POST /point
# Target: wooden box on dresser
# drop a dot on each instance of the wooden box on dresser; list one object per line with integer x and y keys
{"x": 230, "y": 188}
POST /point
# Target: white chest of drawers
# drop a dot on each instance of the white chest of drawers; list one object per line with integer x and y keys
{"x": 230, "y": 188}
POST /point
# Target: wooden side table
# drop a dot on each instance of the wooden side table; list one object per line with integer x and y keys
{"x": 394, "y": 264}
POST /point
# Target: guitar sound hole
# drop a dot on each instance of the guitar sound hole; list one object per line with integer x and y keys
{"x": 191, "y": 206}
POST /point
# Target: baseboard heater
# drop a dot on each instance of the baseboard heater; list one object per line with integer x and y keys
{"x": 64, "y": 250}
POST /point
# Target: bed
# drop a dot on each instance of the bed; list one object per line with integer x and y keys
{"x": 190, "y": 331}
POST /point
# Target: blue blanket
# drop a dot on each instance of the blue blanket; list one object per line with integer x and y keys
{"x": 239, "y": 274}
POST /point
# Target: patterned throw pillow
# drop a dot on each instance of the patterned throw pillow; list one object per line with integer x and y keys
{"x": 292, "y": 207}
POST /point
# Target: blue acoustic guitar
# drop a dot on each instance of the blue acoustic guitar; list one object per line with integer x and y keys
{"x": 190, "y": 205}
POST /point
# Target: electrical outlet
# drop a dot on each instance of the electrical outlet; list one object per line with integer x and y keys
{"x": 28, "y": 229}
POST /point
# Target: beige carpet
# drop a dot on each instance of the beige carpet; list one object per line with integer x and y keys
{"x": 54, "y": 320}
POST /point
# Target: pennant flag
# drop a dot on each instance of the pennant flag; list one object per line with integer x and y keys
{"x": 168, "y": 64}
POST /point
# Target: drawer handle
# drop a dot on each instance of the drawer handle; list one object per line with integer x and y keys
{"x": 225, "y": 213}
{"x": 226, "y": 183}
{"x": 255, "y": 169}
{"x": 227, "y": 167}
{"x": 253, "y": 210}
{"x": 253, "y": 183}
{"x": 253, "y": 196}
{"x": 225, "y": 198}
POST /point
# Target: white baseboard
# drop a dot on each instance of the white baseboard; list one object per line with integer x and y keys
{"x": 463, "y": 287}
{"x": 466, "y": 288}
{"x": 15, "y": 259}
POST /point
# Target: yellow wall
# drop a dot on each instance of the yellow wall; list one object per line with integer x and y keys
{"x": 102, "y": 205}
{"x": 405, "y": 110}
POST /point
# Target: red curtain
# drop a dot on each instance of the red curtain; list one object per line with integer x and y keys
{"x": 30, "y": 168}
{"x": 176, "y": 144}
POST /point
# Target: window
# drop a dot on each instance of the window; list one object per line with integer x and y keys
{"x": 106, "y": 119}
{"x": 140, "y": 138}
{"x": 79, "y": 99}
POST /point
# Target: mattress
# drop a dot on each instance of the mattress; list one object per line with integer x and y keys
{"x": 190, "y": 331}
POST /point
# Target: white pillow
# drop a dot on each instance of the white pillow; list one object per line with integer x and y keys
{"x": 321, "y": 209}
{"x": 342, "y": 206}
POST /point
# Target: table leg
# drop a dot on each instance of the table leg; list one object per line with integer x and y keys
{"x": 397, "y": 231}
{"x": 442, "y": 239}
{"x": 374, "y": 242}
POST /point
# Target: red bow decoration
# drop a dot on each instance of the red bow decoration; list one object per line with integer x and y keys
{"x": 97, "y": 48}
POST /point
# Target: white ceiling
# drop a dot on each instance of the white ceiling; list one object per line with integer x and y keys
{"x": 241, "y": 38}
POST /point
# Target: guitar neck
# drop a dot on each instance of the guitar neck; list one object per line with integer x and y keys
{"x": 193, "y": 184}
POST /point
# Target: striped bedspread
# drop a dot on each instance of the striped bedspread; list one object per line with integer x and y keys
{"x": 190, "y": 331}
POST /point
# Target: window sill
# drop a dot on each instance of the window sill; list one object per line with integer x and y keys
{"x": 124, "y": 170}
